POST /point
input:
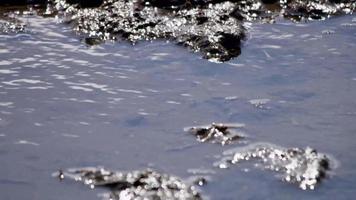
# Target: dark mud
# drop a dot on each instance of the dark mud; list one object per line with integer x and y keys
{"x": 213, "y": 28}
{"x": 145, "y": 184}
{"x": 217, "y": 133}
{"x": 210, "y": 31}
{"x": 304, "y": 167}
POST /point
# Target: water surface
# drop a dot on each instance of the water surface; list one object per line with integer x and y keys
{"x": 64, "y": 104}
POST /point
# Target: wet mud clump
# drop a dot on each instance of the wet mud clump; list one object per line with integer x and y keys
{"x": 304, "y": 167}
{"x": 211, "y": 30}
{"x": 9, "y": 22}
{"x": 316, "y": 9}
{"x": 216, "y": 133}
{"x": 211, "y": 27}
{"x": 8, "y": 27}
{"x": 145, "y": 184}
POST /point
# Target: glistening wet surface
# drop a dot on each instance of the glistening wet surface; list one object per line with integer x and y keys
{"x": 63, "y": 105}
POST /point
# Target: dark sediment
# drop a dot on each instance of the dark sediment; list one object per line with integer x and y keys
{"x": 304, "y": 167}
{"x": 211, "y": 27}
{"x": 210, "y": 31}
{"x": 145, "y": 184}
{"x": 216, "y": 133}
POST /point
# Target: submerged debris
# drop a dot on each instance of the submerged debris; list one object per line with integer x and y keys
{"x": 305, "y": 167}
{"x": 216, "y": 133}
{"x": 145, "y": 184}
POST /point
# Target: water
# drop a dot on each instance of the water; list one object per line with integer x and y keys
{"x": 63, "y": 104}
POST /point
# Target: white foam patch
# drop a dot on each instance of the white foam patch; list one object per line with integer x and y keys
{"x": 29, "y": 59}
{"x": 270, "y": 46}
{"x": 81, "y": 88}
{"x": 259, "y": 101}
{"x": 236, "y": 64}
{"x": 82, "y": 74}
{"x": 27, "y": 142}
{"x": 59, "y": 76}
{"x": 92, "y": 85}
{"x": 173, "y": 102}
{"x": 53, "y": 34}
{"x": 129, "y": 91}
{"x": 4, "y": 51}
{"x": 70, "y": 135}
{"x": 5, "y": 62}
{"x": 39, "y": 88}
{"x": 82, "y": 101}
{"x": 29, "y": 81}
{"x": 83, "y": 62}
{"x": 7, "y": 71}
{"x": 5, "y": 104}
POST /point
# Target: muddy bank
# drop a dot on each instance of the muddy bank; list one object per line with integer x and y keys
{"x": 213, "y": 28}
{"x": 210, "y": 31}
